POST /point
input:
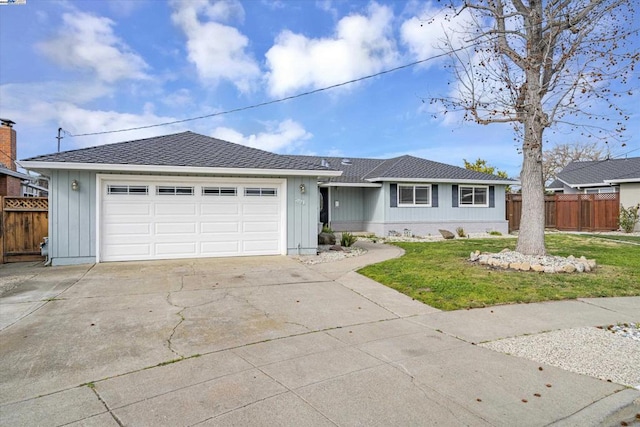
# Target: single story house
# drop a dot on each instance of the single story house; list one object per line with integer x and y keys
{"x": 188, "y": 195}
{"x": 598, "y": 176}
{"x": 408, "y": 194}
{"x": 602, "y": 176}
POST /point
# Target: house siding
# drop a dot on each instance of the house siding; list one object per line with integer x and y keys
{"x": 428, "y": 220}
{"x": 72, "y": 215}
{"x": 303, "y": 215}
{"x": 630, "y": 196}
{"x": 378, "y": 217}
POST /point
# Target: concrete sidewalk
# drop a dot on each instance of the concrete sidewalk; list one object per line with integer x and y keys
{"x": 269, "y": 341}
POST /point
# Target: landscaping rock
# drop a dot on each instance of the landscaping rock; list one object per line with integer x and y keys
{"x": 537, "y": 267}
{"x": 336, "y": 248}
{"x": 326, "y": 239}
{"x": 447, "y": 234}
{"x": 508, "y": 259}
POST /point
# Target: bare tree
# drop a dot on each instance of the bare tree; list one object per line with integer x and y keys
{"x": 556, "y": 158}
{"x": 538, "y": 64}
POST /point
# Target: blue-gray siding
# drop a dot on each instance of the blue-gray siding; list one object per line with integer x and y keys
{"x": 378, "y": 215}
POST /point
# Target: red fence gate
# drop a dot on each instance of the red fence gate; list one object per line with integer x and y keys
{"x": 572, "y": 212}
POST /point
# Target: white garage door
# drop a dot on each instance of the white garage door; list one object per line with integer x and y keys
{"x": 182, "y": 218}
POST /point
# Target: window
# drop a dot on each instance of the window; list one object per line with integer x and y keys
{"x": 474, "y": 196}
{"x": 219, "y": 191}
{"x": 414, "y": 195}
{"x": 140, "y": 190}
{"x": 260, "y": 191}
{"x": 602, "y": 190}
{"x": 169, "y": 190}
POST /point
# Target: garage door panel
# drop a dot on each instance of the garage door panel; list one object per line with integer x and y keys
{"x": 225, "y": 247}
{"x": 261, "y": 209}
{"x": 199, "y": 224}
{"x": 260, "y": 226}
{"x": 219, "y": 227}
{"x": 226, "y": 208}
{"x": 125, "y": 251}
{"x": 177, "y": 207}
{"x": 131, "y": 229}
{"x": 173, "y": 228}
{"x": 115, "y": 209}
{"x": 258, "y": 246}
{"x": 175, "y": 249}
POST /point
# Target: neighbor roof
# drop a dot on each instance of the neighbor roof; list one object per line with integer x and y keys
{"x": 186, "y": 149}
{"x": 403, "y": 168}
{"x": 601, "y": 172}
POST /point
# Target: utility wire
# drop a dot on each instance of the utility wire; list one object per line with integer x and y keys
{"x": 275, "y": 101}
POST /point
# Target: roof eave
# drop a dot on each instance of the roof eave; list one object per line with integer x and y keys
{"x": 44, "y": 166}
{"x": 621, "y": 180}
{"x": 591, "y": 184}
{"x": 447, "y": 180}
{"x": 350, "y": 184}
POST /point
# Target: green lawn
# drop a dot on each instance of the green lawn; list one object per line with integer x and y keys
{"x": 439, "y": 273}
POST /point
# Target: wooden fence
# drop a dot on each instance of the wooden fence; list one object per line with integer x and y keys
{"x": 571, "y": 212}
{"x": 24, "y": 222}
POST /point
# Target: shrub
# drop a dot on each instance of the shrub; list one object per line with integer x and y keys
{"x": 347, "y": 239}
{"x": 495, "y": 233}
{"x": 326, "y": 229}
{"x": 460, "y": 232}
{"x": 629, "y": 218}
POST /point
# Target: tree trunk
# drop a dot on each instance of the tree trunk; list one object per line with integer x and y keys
{"x": 532, "y": 221}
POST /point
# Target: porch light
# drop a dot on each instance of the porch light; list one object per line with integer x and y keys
{"x": 303, "y": 189}
{"x": 75, "y": 185}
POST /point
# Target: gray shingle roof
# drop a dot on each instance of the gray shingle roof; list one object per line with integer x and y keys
{"x": 181, "y": 149}
{"x": 353, "y": 173}
{"x": 556, "y": 184}
{"x": 404, "y": 167}
{"x": 596, "y": 172}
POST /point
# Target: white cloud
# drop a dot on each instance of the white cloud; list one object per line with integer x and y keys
{"x": 361, "y": 45}
{"x": 76, "y": 120}
{"x": 283, "y": 137}
{"x": 218, "y": 51}
{"x": 87, "y": 42}
{"x": 424, "y": 34}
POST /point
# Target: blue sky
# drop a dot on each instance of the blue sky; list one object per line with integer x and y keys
{"x": 92, "y": 66}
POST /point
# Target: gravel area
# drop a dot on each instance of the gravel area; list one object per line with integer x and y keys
{"x": 611, "y": 352}
{"x": 325, "y": 255}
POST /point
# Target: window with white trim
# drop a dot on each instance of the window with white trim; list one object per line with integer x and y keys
{"x": 474, "y": 196}
{"x": 602, "y": 190}
{"x": 219, "y": 191}
{"x": 255, "y": 191}
{"x": 171, "y": 190}
{"x": 139, "y": 190}
{"x": 414, "y": 195}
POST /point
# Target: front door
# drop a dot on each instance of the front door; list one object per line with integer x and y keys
{"x": 324, "y": 205}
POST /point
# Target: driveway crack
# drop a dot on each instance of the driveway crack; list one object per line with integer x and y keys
{"x": 115, "y": 418}
{"x": 182, "y": 318}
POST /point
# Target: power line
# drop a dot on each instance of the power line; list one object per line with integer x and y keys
{"x": 275, "y": 101}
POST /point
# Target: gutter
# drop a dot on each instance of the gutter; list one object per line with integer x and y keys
{"x": 104, "y": 167}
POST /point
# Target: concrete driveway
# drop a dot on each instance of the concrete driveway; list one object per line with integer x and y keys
{"x": 270, "y": 341}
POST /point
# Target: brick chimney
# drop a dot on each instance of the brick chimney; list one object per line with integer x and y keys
{"x": 8, "y": 151}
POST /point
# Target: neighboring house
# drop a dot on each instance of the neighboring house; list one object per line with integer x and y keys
{"x": 409, "y": 195}
{"x": 12, "y": 182}
{"x": 604, "y": 176}
{"x": 188, "y": 195}
{"x": 10, "y": 178}
{"x": 555, "y": 186}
